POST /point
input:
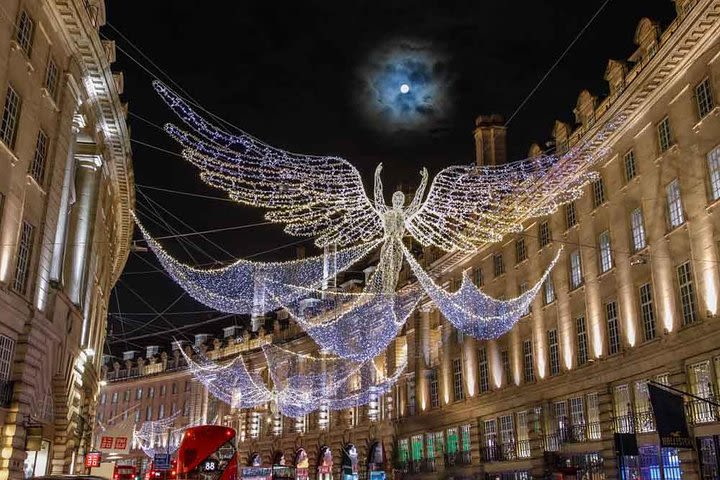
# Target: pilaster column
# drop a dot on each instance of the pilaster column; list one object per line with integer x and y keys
{"x": 422, "y": 360}
{"x": 446, "y": 363}
{"x": 82, "y": 220}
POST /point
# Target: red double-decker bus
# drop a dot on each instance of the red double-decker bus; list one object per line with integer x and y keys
{"x": 207, "y": 452}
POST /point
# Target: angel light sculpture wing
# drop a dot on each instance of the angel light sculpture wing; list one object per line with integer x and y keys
{"x": 315, "y": 196}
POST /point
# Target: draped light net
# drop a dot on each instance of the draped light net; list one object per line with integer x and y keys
{"x": 295, "y": 384}
{"x": 159, "y": 436}
{"x": 473, "y": 312}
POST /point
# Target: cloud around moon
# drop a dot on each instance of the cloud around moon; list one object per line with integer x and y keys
{"x": 387, "y": 104}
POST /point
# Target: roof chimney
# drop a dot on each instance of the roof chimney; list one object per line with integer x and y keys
{"x": 490, "y": 148}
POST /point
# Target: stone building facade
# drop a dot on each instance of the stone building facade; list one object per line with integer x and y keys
{"x": 633, "y": 298}
{"x": 66, "y": 190}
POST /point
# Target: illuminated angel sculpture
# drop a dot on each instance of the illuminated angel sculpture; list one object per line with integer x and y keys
{"x": 323, "y": 197}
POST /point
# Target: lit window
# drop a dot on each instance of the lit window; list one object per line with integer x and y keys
{"x": 22, "y": 270}
{"x": 137, "y": 415}
{"x": 10, "y": 118}
{"x": 611, "y": 315}
{"x": 687, "y": 293}
{"x": 490, "y": 430}
{"x": 528, "y": 370}
{"x": 161, "y": 412}
{"x": 498, "y": 264}
{"x": 52, "y": 78}
{"x": 522, "y": 289}
{"x": 582, "y": 340}
{"x": 629, "y": 162}
{"x": 575, "y": 269}
{"x": 25, "y": 31}
{"x": 138, "y": 394}
{"x": 37, "y": 167}
{"x": 664, "y": 135}
{"x": 103, "y": 399}
{"x": 507, "y": 436}
{"x": 548, "y": 291}
{"x": 544, "y": 234}
{"x": 703, "y": 96}
{"x": 598, "y": 191}
{"x": 457, "y": 379}
{"x": 570, "y": 215}
{"x": 676, "y": 216}
{"x": 483, "y": 370}
{"x": 114, "y": 397}
{"x": 713, "y": 159}
{"x": 606, "y": 261}
{"x": 638, "y": 230}
{"x": 151, "y": 392}
{"x": 148, "y": 413}
{"x": 553, "y": 352}
{"x": 647, "y": 310}
{"x": 126, "y": 396}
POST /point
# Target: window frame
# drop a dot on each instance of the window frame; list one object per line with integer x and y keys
{"x": 576, "y": 270}
{"x": 570, "y": 215}
{"x": 664, "y": 134}
{"x": 707, "y": 104}
{"x": 687, "y": 294}
{"x": 638, "y": 236}
{"x": 544, "y": 234}
{"x": 605, "y": 252}
{"x": 629, "y": 165}
{"x": 40, "y": 155}
{"x": 647, "y": 311}
{"x": 581, "y": 336}
{"x": 10, "y": 119}
{"x": 528, "y": 361}
{"x": 598, "y": 192}
{"x": 24, "y": 259}
{"x": 674, "y": 206}
{"x": 25, "y": 36}
{"x": 612, "y": 321}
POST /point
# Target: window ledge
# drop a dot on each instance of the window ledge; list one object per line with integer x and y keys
{"x": 630, "y": 183}
{"x": 31, "y": 181}
{"x": 520, "y": 263}
{"x": 13, "y": 158}
{"x": 673, "y": 149}
{"x": 568, "y": 230}
{"x": 669, "y": 233}
{"x": 609, "y": 272}
{"x": 46, "y": 94}
{"x": 712, "y": 113}
{"x": 712, "y": 204}
{"x": 574, "y": 290}
{"x": 15, "y": 46}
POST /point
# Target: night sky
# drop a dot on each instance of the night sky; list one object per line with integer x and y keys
{"x": 323, "y": 77}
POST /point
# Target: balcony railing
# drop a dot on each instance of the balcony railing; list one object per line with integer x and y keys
{"x": 502, "y": 452}
{"x": 464, "y": 458}
{"x": 428, "y": 465}
{"x": 6, "y": 391}
{"x": 415, "y": 466}
{"x": 699, "y": 411}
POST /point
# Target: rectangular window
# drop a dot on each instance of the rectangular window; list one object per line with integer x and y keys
{"x": 703, "y": 96}
{"x": 498, "y": 264}
{"x": 647, "y": 311}
{"x": 151, "y": 392}
{"x": 52, "y": 76}
{"x": 137, "y": 415}
{"x": 483, "y": 370}
{"x": 10, "y": 118}
{"x": 138, "y": 394}
{"x": 638, "y": 230}
{"x": 37, "y": 167}
{"x": 664, "y": 135}
{"x": 582, "y": 340}
{"x": 523, "y": 436}
{"x": 593, "y": 416}
{"x": 713, "y": 159}
{"x": 687, "y": 293}
{"x": 126, "y": 396}
{"x": 490, "y": 429}
{"x": 522, "y": 288}
{"x": 611, "y": 316}
{"x": 148, "y": 413}
{"x": 163, "y": 390}
{"x": 465, "y": 438}
{"x": 507, "y": 435}
{"x": 598, "y": 191}
{"x": 553, "y": 352}
{"x": 507, "y": 371}
{"x": 161, "y": 412}
{"x": 452, "y": 440}
{"x": 25, "y": 31}
{"x": 457, "y": 379}
{"x": 174, "y": 388}
{"x": 429, "y": 445}
{"x": 528, "y": 370}
{"x": 520, "y": 250}
{"x": 676, "y": 216}
{"x": 629, "y": 162}
{"x": 439, "y": 442}
{"x": 548, "y": 291}
{"x": 114, "y": 397}
{"x": 7, "y": 354}
{"x": 434, "y": 390}
{"x": 606, "y": 260}
{"x": 186, "y": 409}
{"x": 477, "y": 275}
{"x": 544, "y": 234}
{"x": 570, "y": 215}
{"x": 575, "y": 269}
{"x": 24, "y": 253}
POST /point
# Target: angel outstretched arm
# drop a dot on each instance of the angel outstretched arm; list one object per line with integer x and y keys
{"x": 380, "y": 206}
{"x": 419, "y": 193}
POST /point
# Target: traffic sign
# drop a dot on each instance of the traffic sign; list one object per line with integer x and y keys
{"x": 161, "y": 461}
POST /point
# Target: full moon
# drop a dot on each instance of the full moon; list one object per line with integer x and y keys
{"x": 404, "y": 88}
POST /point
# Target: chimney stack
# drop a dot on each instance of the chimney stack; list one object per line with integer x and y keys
{"x": 490, "y": 148}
